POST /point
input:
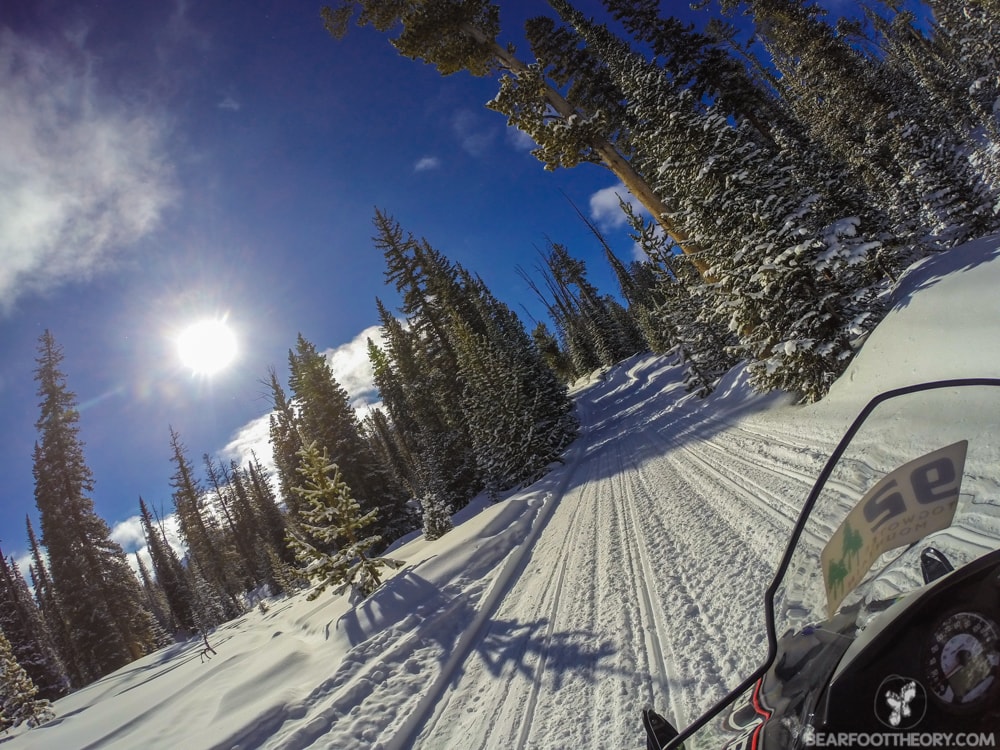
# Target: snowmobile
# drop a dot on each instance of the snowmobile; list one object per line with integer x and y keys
{"x": 883, "y": 618}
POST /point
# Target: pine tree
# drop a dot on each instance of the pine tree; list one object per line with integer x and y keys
{"x": 792, "y": 274}
{"x": 52, "y": 614}
{"x": 876, "y": 122}
{"x": 325, "y": 415}
{"x": 97, "y": 590}
{"x": 285, "y": 443}
{"x": 418, "y": 376}
{"x": 22, "y": 623}
{"x": 18, "y": 701}
{"x": 271, "y": 521}
{"x": 334, "y": 516}
{"x": 520, "y": 416}
{"x": 208, "y": 551}
{"x": 551, "y": 353}
{"x": 678, "y": 311}
{"x": 156, "y": 603}
{"x": 170, "y": 574}
{"x": 240, "y": 526}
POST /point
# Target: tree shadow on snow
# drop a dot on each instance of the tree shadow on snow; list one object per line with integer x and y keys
{"x": 534, "y": 649}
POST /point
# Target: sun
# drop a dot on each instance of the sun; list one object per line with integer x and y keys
{"x": 207, "y": 347}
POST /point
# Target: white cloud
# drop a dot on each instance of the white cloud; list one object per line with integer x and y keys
{"x": 229, "y": 103}
{"x": 129, "y": 534}
{"x": 606, "y": 211}
{"x": 353, "y": 370}
{"x": 252, "y": 439}
{"x": 81, "y": 178}
{"x": 427, "y": 163}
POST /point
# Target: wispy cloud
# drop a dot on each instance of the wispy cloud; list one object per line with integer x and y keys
{"x": 82, "y": 177}
{"x": 605, "y": 208}
{"x": 474, "y": 134}
{"x": 427, "y": 163}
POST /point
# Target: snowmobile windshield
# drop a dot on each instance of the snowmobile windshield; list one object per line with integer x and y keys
{"x": 910, "y": 493}
{"x": 919, "y": 471}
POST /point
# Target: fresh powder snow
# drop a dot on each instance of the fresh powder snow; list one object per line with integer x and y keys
{"x": 630, "y": 575}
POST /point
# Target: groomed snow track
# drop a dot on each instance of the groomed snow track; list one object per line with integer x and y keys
{"x": 617, "y": 603}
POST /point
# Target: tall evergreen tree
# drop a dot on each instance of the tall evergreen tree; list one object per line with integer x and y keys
{"x": 285, "y": 443}
{"x": 876, "y": 122}
{"x": 793, "y": 275}
{"x": 99, "y": 595}
{"x": 270, "y": 519}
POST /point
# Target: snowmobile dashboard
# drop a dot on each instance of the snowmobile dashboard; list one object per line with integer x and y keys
{"x": 931, "y": 661}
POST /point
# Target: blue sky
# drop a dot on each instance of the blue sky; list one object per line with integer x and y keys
{"x": 165, "y": 162}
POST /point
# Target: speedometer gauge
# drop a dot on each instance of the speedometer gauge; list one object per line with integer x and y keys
{"x": 961, "y": 666}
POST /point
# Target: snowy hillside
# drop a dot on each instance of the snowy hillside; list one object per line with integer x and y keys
{"x": 630, "y": 575}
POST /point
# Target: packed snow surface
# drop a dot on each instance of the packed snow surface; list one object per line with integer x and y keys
{"x": 630, "y": 575}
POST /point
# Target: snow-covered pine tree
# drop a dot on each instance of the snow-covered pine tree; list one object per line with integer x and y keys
{"x": 334, "y": 516}
{"x": 680, "y": 310}
{"x": 285, "y": 443}
{"x": 433, "y": 493}
{"x": 222, "y": 502}
{"x": 99, "y": 594}
{"x": 18, "y": 694}
{"x": 519, "y": 414}
{"x": 423, "y": 386}
{"x": 876, "y": 122}
{"x": 702, "y": 63}
{"x": 22, "y": 622}
{"x": 270, "y": 518}
{"x": 791, "y": 273}
{"x": 967, "y": 32}
{"x": 552, "y": 353}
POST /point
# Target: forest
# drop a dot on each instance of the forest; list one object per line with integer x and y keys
{"x": 789, "y": 166}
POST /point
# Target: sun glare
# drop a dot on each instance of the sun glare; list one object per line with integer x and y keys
{"x": 206, "y": 347}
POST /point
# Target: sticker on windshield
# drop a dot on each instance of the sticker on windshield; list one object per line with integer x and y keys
{"x": 916, "y": 499}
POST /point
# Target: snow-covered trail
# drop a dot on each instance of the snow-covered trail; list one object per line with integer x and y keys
{"x": 643, "y": 587}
